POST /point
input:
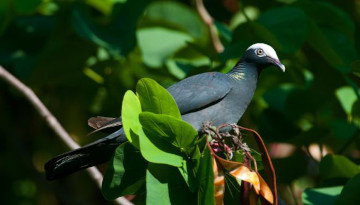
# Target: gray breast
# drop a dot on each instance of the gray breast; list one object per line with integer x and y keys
{"x": 227, "y": 110}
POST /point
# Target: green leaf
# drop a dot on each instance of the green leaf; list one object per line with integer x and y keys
{"x": 125, "y": 174}
{"x": 223, "y": 30}
{"x": 180, "y": 15}
{"x": 232, "y": 189}
{"x": 288, "y": 25}
{"x": 327, "y": 15}
{"x": 321, "y": 196}
{"x": 159, "y": 151}
{"x": 318, "y": 41}
{"x": 104, "y": 6}
{"x": 205, "y": 179}
{"x": 188, "y": 172}
{"x": 154, "y": 98}
{"x": 350, "y": 195}
{"x": 332, "y": 34}
{"x": 337, "y": 166}
{"x": 276, "y": 97}
{"x": 131, "y": 109}
{"x": 118, "y": 36}
{"x": 347, "y": 97}
{"x": 175, "y": 131}
{"x": 164, "y": 186}
{"x": 342, "y": 129}
{"x": 158, "y": 44}
{"x": 247, "y": 34}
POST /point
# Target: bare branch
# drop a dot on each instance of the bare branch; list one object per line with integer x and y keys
{"x": 53, "y": 123}
{"x": 209, "y": 21}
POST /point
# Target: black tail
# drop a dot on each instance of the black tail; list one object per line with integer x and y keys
{"x": 92, "y": 154}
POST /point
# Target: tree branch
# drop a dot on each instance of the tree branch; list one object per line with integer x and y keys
{"x": 53, "y": 124}
{"x": 209, "y": 21}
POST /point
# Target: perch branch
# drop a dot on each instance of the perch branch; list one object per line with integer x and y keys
{"x": 209, "y": 21}
{"x": 52, "y": 123}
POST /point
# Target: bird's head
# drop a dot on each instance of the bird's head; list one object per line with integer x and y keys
{"x": 262, "y": 55}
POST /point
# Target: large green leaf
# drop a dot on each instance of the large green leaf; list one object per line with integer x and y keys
{"x": 288, "y": 25}
{"x": 337, "y": 166}
{"x": 131, "y": 109}
{"x": 331, "y": 33}
{"x": 154, "y": 98}
{"x": 246, "y": 34}
{"x": 118, "y": 36}
{"x": 321, "y": 196}
{"x": 164, "y": 186}
{"x": 328, "y": 15}
{"x": 205, "y": 177}
{"x": 342, "y": 129}
{"x": 350, "y": 195}
{"x": 125, "y": 173}
{"x": 160, "y": 127}
{"x": 175, "y": 131}
{"x": 318, "y": 41}
{"x": 159, "y": 151}
{"x": 158, "y": 44}
{"x": 179, "y": 15}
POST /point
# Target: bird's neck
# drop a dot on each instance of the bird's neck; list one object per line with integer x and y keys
{"x": 244, "y": 72}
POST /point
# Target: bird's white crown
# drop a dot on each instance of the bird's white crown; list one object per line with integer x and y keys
{"x": 268, "y": 50}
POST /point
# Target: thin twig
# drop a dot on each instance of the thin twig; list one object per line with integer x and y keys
{"x": 209, "y": 21}
{"x": 52, "y": 123}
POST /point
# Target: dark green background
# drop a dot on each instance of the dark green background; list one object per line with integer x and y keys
{"x": 81, "y": 56}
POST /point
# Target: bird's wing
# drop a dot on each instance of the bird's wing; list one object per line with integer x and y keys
{"x": 104, "y": 123}
{"x": 200, "y": 91}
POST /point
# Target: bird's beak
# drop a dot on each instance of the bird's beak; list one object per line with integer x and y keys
{"x": 278, "y": 64}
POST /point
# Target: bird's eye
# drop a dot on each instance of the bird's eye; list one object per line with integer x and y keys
{"x": 260, "y": 52}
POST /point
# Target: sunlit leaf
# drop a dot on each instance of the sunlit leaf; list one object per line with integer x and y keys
{"x": 347, "y": 97}
{"x": 165, "y": 186}
{"x": 131, "y": 109}
{"x": 164, "y": 127}
{"x": 154, "y": 98}
{"x": 321, "y": 196}
{"x": 180, "y": 15}
{"x": 158, "y": 44}
{"x": 159, "y": 151}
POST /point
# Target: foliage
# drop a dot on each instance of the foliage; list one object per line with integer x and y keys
{"x": 167, "y": 145}
{"x": 80, "y": 57}
{"x": 168, "y": 163}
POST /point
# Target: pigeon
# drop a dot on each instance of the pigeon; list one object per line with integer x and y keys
{"x": 207, "y": 97}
